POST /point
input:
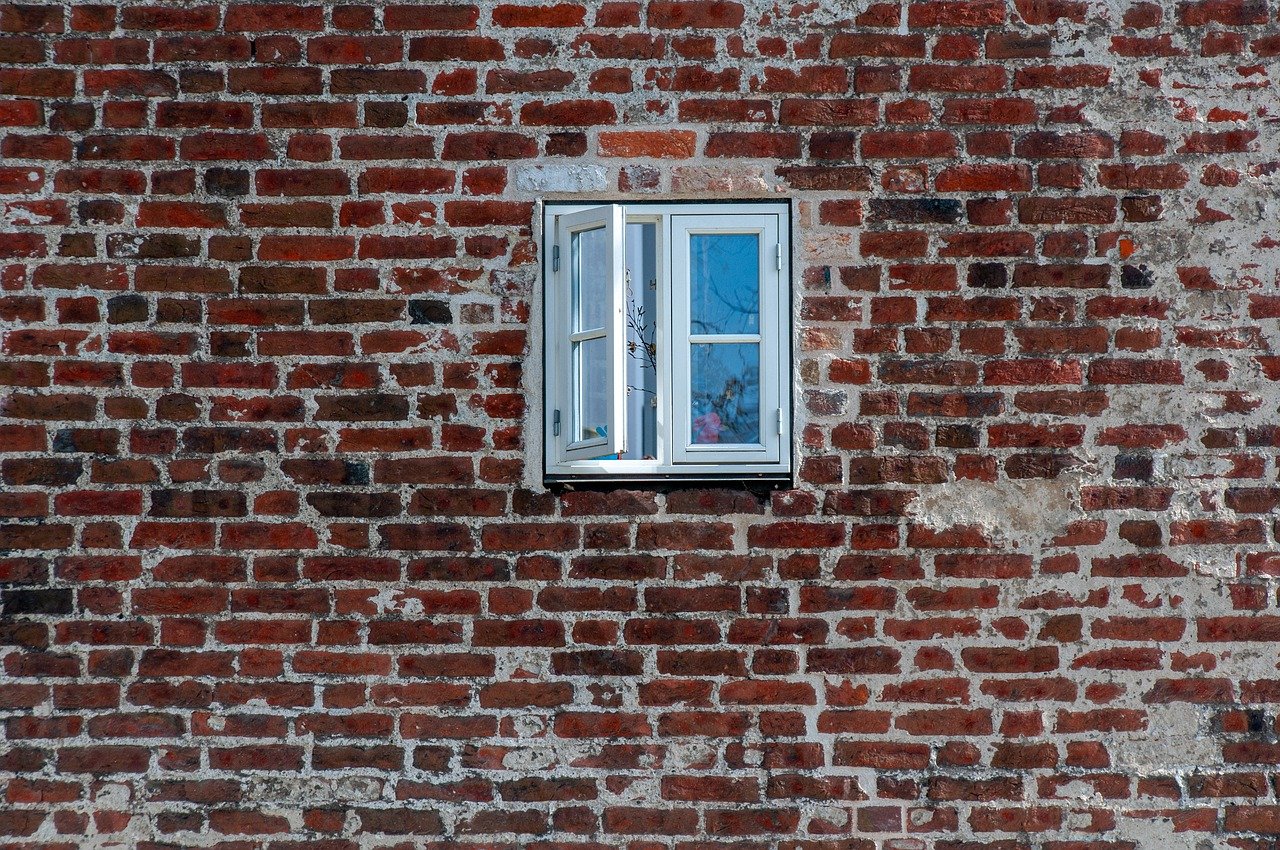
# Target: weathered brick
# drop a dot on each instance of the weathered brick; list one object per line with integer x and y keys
{"x": 271, "y": 458}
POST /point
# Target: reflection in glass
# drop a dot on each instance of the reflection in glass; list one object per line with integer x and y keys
{"x": 642, "y": 339}
{"x": 590, "y": 278}
{"x": 724, "y": 274}
{"x": 725, "y": 392}
{"x": 590, "y": 367}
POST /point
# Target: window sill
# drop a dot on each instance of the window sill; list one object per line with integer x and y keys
{"x": 759, "y": 481}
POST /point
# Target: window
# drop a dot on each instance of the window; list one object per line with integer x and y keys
{"x": 667, "y": 341}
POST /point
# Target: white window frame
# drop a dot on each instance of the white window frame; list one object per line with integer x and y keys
{"x": 677, "y": 457}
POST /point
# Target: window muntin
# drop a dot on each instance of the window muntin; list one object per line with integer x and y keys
{"x": 698, "y": 368}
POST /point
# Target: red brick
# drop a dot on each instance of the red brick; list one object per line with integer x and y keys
{"x": 984, "y": 178}
{"x": 695, "y": 14}
{"x": 949, "y": 78}
{"x": 902, "y": 144}
{"x": 432, "y": 16}
{"x": 668, "y": 145}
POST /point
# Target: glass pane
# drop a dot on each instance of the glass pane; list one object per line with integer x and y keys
{"x": 591, "y": 383}
{"x": 724, "y": 271}
{"x": 725, "y": 393}
{"x": 642, "y": 337}
{"x": 590, "y": 278}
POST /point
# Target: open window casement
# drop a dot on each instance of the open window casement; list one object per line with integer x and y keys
{"x": 667, "y": 341}
{"x": 591, "y": 412}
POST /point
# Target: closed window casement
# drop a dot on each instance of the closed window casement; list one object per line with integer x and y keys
{"x": 667, "y": 340}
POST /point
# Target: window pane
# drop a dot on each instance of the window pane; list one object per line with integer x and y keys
{"x": 724, "y": 276}
{"x": 590, "y": 278}
{"x": 725, "y": 393}
{"x": 591, "y": 389}
{"x": 642, "y": 337}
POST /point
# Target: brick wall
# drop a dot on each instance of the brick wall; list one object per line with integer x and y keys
{"x": 277, "y": 567}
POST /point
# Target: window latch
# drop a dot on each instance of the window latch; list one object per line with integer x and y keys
{"x": 555, "y": 258}
{"x": 555, "y": 424}
{"x": 778, "y": 253}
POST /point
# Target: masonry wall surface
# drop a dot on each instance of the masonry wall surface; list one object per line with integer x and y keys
{"x": 278, "y": 568}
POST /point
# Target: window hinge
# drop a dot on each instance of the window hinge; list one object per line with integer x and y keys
{"x": 779, "y": 421}
{"x": 555, "y": 258}
{"x": 555, "y": 424}
{"x": 778, "y": 252}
